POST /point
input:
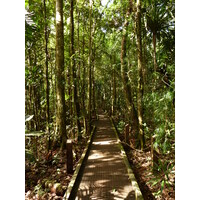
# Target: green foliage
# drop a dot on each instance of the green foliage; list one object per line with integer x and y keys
{"x": 120, "y": 125}
{"x": 107, "y": 27}
{"x": 39, "y": 190}
{"x": 30, "y": 155}
{"x": 162, "y": 180}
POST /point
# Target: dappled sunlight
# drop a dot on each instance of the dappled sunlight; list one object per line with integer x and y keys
{"x": 58, "y": 17}
{"x": 96, "y": 156}
{"x": 105, "y": 174}
{"x": 105, "y": 142}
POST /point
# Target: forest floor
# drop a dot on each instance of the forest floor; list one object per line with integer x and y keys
{"x": 153, "y": 186}
{"x": 44, "y": 181}
{"x": 49, "y": 182}
{"x": 149, "y": 183}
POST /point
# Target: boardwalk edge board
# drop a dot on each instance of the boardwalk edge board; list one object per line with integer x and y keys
{"x": 69, "y": 194}
{"x": 138, "y": 193}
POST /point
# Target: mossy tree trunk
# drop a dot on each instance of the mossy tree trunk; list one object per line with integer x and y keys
{"x": 30, "y": 92}
{"x": 84, "y": 82}
{"x": 74, "y": 79}
{"x": 93, "y": 84}
{"x": 46, "y": 77}
{"x": 140, "y": 75}
{"x": 79, "y": 51}
{"x": 126, "y": 85}
{"x": 90, "y": 69}
{"x": 113, "y": 84}
{"x": 60, "y": 80}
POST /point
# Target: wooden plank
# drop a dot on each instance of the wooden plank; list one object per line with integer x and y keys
{"x": 138, "y": 193}
{"x": 69, "y": 157}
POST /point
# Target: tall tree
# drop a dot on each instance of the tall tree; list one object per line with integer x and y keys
{"x": 140, "y": 75}
{"x": 126, "y": 85}
{"x": 157, "y": 21}
{"x": 112, "y": 62}
{"x": 93, "y": 83}
{"x": 46, "y": 74}
{"x": 90, "y": 69}
{"x": 83, "y": 94}
{"x": 60, "y": 80}
{"x": 74, "y": 80}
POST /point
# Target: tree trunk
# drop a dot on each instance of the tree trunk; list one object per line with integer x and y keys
{"x": 74, "y": 80}
{"x": 69, "y": 80}
{"x": 46, "y": 78}
{"x": 126, "y": 86}
{"x": 90, "y": 69}
{"x": 60, "y": 80}
{"x": 84, "y": 85}
{"x": 35, "y": 107}
{"x": 84, "y": 74}
{"x": 140, "y": 75}
{"x": 114, "y": 86}
{"x": 27, "y": 111}
{"x": 79, "y": 54}
{"x": 93, "y": 84}
{"x": 31, "y": 110}
{"x": 154, "y": 51}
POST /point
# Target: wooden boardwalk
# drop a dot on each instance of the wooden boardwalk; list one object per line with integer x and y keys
{"x": 105, "y": 175}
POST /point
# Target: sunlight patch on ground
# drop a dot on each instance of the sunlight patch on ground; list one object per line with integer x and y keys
{"x": 96, "y": 155}
{"x": 104, "y": 142}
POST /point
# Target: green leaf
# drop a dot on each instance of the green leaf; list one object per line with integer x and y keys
{"x": 154, "y": 183}
{"x": 66, "y": 96}
{"x": 26, "y": 3}
{"x": 162, "y": 185}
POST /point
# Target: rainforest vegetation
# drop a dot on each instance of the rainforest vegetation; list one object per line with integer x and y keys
{"x": 86, "y": 56}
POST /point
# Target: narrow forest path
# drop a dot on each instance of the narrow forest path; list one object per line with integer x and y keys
{"x": 105, "y": 175}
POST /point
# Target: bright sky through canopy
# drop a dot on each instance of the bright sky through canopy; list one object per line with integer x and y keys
{"x": 104, "y": 2}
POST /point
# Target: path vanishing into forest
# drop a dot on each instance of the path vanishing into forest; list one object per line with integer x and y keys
{"x": 105, "y": 174}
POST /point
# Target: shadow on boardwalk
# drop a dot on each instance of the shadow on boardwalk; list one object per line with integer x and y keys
{"x": 105, "y": 174}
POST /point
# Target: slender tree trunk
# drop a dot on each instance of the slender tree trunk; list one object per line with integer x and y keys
{"x": 84, "y": 72}
{"x": 39, "y": 105}
{"x": 144, "y": 59}
{"x": 90, "y": 68}
{"x": 36, "y": 98}
{"x": 69, "y": 80}
{"x": 60, "y": 80}
{"x": 27, "y": 111}
{"x": 35, "y": 108}
{"x": 114, "y": 88}
{"x": 30, "y": 105}
{"x": 93, "y": 83}
{"x": 74, "y": 80}
{"x": 126, "y": 86}
{"x": 47, "y": 78}
{"x": 79, "y": 54}
{"x": 154, "y": 51}
{"x": 33, "y": 105}
{"x": 84, "y": 85}
{"x": 140, "y": 75}
{"x": 31, "y": 110}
